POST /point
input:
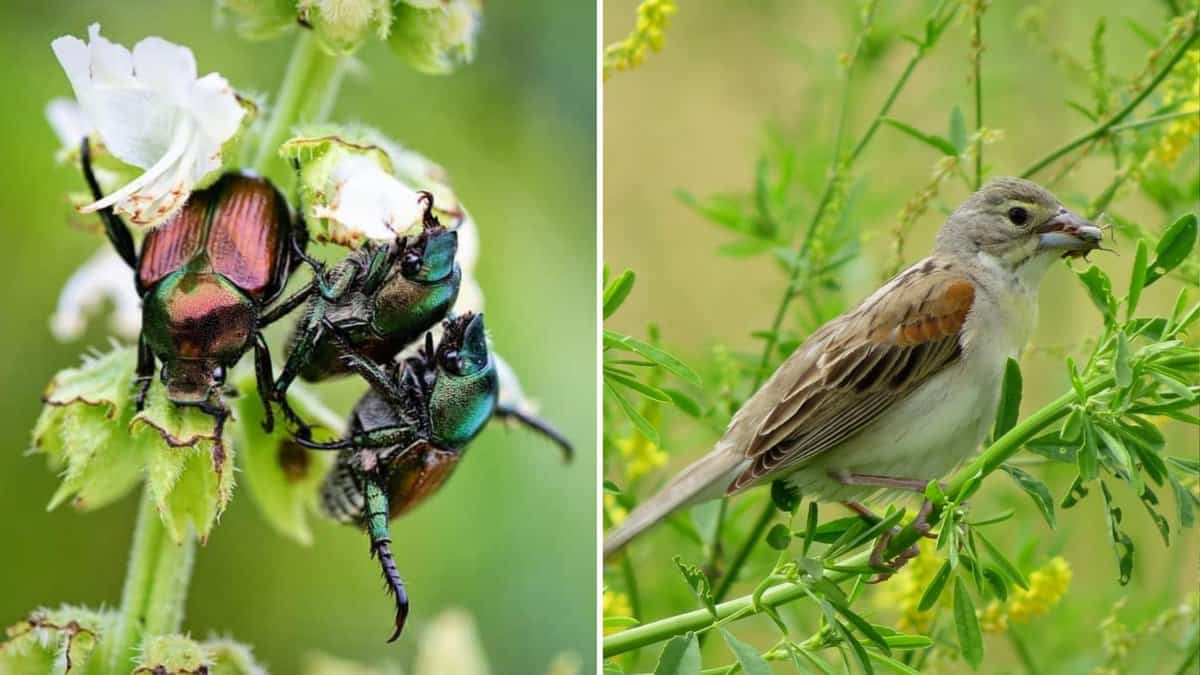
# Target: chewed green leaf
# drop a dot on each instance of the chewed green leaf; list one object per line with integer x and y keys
{"x": 1174, "y": 246}
{"x": 617, "y": 291}
{"x": 1122, "y": 544}
{"x": 617, "y": 341}
{"x": 748, "y": 658}
{"x": 680, "y": 656}
{"x": 1036, "y": 490}
{"x": 699, "y": 583}
{"x": 1099, "y": 289}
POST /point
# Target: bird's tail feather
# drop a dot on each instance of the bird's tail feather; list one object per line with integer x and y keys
{"x": 704, "y": 479}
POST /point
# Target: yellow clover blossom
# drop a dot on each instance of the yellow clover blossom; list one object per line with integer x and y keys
{"x": 993, "y": 618}
{"x": 1184, "y": 86}
{"x": 616, "y": 512}
{"x": 904, "y": 590}
{"x": 652, "y": 18}
{"x": 641, "y": 456}
{"x": 1046, "y": 587}
{"x": 615, "y": 604}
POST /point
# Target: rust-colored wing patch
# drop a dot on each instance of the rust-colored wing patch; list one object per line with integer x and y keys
{"x": 248, "y": 237}
{"x": 175, "y": 243}
{"x": 858, "y": 366}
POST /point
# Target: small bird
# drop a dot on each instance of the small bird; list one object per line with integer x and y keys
{"x": 901, "y": 389}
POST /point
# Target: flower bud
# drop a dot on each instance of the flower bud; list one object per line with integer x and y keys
{"x": 436, "y": 36}
{"x": 343, "y": 25}
{"x": 54, "y": 641}
{"x": 260, "y": 19}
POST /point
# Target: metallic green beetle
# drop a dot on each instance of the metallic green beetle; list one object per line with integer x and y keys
{"x": 380, "y": 298}
{"x": 408, "y": 433}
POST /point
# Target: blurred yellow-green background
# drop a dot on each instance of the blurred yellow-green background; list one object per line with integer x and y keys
{"x": 695, "y": 117}
{"x": 511, "y": 537}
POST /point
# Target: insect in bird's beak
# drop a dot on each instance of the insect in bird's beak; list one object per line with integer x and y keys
{"x": 1074, "y": 235}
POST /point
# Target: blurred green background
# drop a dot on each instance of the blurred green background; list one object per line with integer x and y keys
{"x": 695, "y": 117}
{"x": 511, "y": 537}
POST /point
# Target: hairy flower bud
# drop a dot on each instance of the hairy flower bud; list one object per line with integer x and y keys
{"x": 343, "y": 26}
{"x": 436, "y": 36}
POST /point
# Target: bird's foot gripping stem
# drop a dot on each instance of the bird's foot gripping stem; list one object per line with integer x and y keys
{"x": 879, "y": 554}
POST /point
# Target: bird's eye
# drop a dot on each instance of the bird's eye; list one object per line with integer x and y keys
{"x": 1018, "y": 215}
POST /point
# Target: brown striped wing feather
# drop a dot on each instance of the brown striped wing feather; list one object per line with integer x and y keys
{"x": 852, "y": 370}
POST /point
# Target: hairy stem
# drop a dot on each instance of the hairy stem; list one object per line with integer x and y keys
{"x": 1106, "y": 126}
{"x": 988, "y": 461}
{"x": 148, "y": 538}
{"x": 307, "y": 94}
{"x": 168, "y": 591}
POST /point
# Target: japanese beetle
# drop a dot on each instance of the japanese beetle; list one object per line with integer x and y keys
{"x": 380, "y": 298}
{"x": 408, "y": 433}
{"x": 205, "y": 278}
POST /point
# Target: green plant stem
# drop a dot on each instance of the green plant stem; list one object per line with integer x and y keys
{"x": 1106, "y": 126}
{"x": 148, "y": 538}
{"x": 307, "y": 94}
{"x": 988, "y": 461}
{"x": 1156, "y": 119}
{"x": 168, "y": 592}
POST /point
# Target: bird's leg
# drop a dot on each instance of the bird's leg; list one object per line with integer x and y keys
{"x": 878, "y": 557}
{"x": 921, "y": 523}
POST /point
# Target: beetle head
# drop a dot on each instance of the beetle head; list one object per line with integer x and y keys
{"x": 192, "y": 381}
{"x": 463, "y": 349}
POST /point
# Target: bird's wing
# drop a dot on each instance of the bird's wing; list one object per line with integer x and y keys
{"x": 860, "y": 366}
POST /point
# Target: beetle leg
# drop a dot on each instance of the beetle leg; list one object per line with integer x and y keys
{"x": 370, "y": 371}
{"x": 378, "y": 268}
{"x": 285, "y": 306}
{"x": 376, "y": 438}
{"x": 145, "y": 372}
{"x": 376, "y": 518}
{"x": 308, "y": 334}
{"x": 265, "y": 380}
{"x": 115, "y": 228}
{"x": 538, "y": 425}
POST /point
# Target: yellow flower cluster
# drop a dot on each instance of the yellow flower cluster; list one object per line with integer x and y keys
{"x": 615, "y": 604}
{"x": 1047, "y": 586}
{"x": 652, "y": 19}
{"x": 903, "y": 591}
{"x": 1184, "y": 86}
{"x": 616, "y": 512}
{"x": 641, "y": 456}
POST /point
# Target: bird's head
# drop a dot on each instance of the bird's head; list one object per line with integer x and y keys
{"x": 1018, "y": 225}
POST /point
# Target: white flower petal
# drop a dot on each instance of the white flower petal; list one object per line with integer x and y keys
{"x": 369, "y": 202}
{"x": 68, "y": 122}
{"x": 165, "y": 67}
{"x": 151, "y": 111}
{"x": 104, "y": 276}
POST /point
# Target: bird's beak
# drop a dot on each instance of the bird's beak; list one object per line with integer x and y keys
{"x": 1068, "y": 232}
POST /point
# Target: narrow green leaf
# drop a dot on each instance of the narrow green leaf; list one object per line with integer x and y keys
{"x": 934, "y": 590}
{"x": 640, "y": 423}
{"x": 936, "y": 142}
{"x": 650, "y": 392}
{"x": 860, "y": 653}
{"x": 1150, "y": 501}
{"x": 1173, "y": 248}
{"x": 1123, "y": 372}
{"x": 1138, "y": 280}
{"x": 1073, "y": 426}
{"x": 617, "y": 291}
{"x": 684, "y": 402}
{"x": 1087, "y": 459}
{"x": 1184, "y": 509}
{"x": 970, "y": 641}
{"x": 893, "y": 664}
{"x": 1036, "y": 490}
{"x": 958, "y": 129}
{"x": 1010, "y": 570}
{"x": 864, "y": 627}
{"x": 662, "y": 358}
{"x": 1076, "y": 380}
{"x": 680, "y": 656}
{"x": 747, "y": 656}
{"x": 810, "y": 527}
{"x": 1010, "y": 399}
{"x": 620, "y": 622}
